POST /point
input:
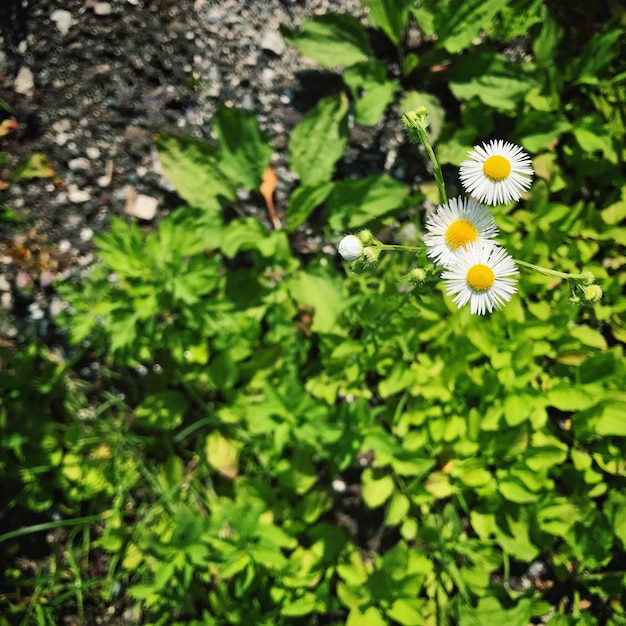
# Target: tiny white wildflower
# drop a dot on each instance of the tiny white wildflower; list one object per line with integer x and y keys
{"x": 496, "y": 172}
{"x": 456, "y": 224}
{"x": 479, "y": 274}
{"x": 350, "y": 248}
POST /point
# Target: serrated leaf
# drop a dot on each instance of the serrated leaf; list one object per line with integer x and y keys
{"x": 192, "y": 167}
{"x": 317, "y": 143}
{"x": 244, "y": 150}
{"x": 331, "y": 39}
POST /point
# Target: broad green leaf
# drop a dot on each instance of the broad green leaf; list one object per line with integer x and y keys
{"x": 303, "y": 201}
{"x": 612, "y": 419}
{"x": 471, "y": 472}
{"x": 354, "y": 203}
{"x": 317, "y": 143}
{"x": 616, "y": 212}
{"x": 492, "y": 78}
{"x": 376, "y": 491}
{"x": 223, "y": 454}
{"x": 331, "y": 39}
{"x": 327, "y": 297}
{"x": 244, "y": 151}
{"x": 390, "y": 16}
{"x": 489, "y": 610}
{"x": 371, "y": 90}
{"x": 455, "y": 23}
{"x": 406, "y": 611}
{"x": 514, "y": 490}
{"x": 371, "y": 617}
{"x": 192, "y": 167}
{"x": 397, "y": 510}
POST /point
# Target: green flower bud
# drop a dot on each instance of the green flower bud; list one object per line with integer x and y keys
{"x": 365, "y": 236}
{"x": 588, "y": 278}
{"x": 371, "y": 254}
{"x": 592, "y": 293}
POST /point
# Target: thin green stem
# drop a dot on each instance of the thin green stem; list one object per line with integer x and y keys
{"x": 436, "y": 167}
{"x": 397, "y": 248}
{"x": 36, "y": 528}
{"x": 548, "y": 272}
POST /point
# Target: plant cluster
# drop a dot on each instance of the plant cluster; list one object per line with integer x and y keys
{"x": 240, "y": 432}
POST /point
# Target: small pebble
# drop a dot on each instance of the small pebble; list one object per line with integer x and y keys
{"x": 86, "y": 234}
{"x": 144, "y": 207}
{"x": 79, "y": 163}
{"x": 92, "y": 153}
{"x": 62, "y": 19}
{"x": 273, "y": 42}
{"x": 102, "y": 8}
{"x": 78, "y": 195}
{"x": 24, "y": 81}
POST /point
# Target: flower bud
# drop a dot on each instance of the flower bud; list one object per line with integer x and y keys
{"x": 592, "y": 293}
{"x": 350, "y": 248}
{"x": 370, "y": 254}
{"x": 588, "y": 278}
{"x": 365, "y": 236}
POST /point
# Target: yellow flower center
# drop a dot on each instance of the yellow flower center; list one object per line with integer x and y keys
{"x": 460, "y": 233}
{"x": 480, "y": 277}
{"x": 497, "y": 167}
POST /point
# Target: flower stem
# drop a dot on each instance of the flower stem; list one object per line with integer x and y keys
{"x": 397, "y": 248}
{"x": 548, "y": 272}
{"x": 416, "y": 122}
{"x": 436, "y": 167}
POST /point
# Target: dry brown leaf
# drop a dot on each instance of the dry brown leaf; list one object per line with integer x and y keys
{"x": 268, "y": 185}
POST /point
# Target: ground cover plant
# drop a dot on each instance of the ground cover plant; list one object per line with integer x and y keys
{"x": 272, "y": 435}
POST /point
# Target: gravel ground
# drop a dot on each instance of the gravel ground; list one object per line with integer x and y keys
{"x": 90, "y": 82}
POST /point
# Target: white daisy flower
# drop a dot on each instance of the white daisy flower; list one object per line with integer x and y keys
{"x": 350, "y": 248}
{"x": 456, "y": 224}
{"x": 496, "y": 173}
{"x": 479, "y": 275}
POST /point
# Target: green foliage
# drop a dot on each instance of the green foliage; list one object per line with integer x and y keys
{"x": 300, "y": 446}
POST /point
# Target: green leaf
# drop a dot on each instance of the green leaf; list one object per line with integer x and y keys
{"x": 455, "y": 23}
{"x": 354, "y": 203}
{"x": 223, "y": 454}
{"x": 326, "y": 295}
{"x": 303, "y": 201}
{"x": 371, "y": 90}
{"x": 331, "y": 39}
{"x": 548, "y": 40}
{"x": 514, "y": 490}
{"x": 612, "y": 419}
{"x": 244, "y": 151}
{"x": 192, "y": 167}
{"x": 390, "y": 16}
{"x": 371, "y": 617}
{"x": 488, "y": 610}
{"x": 317, "y": 143}
{"x": 406, "y": 611}
{"x": 163, "y": 410}
{"x": 376, "y": 491}
{"x": 492, "y": 78}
